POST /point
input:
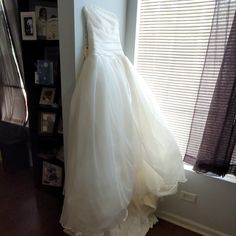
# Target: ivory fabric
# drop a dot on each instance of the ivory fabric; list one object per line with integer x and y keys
{"x": 121, "y": 156}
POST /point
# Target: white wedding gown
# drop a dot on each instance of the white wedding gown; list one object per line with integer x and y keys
{"x": 121, "y": 155}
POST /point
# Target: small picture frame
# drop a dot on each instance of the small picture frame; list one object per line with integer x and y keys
{"x": 28, "y": 25}
{"x": 41, "y": 21}
{"x": 44, "y": 16}
{"x": 52, "y": 29}
{"x": 52, "y": 175}
{"x": 47, "y": 96}
{"x": 45, "y": 72}
{"x": 47, "y": 122}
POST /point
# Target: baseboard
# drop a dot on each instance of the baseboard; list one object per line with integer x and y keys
{"x": 188, "y": 224}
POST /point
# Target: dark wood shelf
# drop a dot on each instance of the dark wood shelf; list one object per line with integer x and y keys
{"x": 56, "y": 138}
{"x": 32, "y": 51}
{"x": 53, "y": 107}
{"x": 38, "y": 42}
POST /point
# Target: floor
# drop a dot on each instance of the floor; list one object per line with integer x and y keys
{"x": 25, "y": 210}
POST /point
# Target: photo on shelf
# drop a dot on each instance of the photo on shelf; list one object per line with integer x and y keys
{"x": 47, "y": 122}
{"x": 47, "y": 96}
{"x": 52, "y": 29}
{"x": 44, "y": 15}
{"x": 28, "y": 25}
{"x": 52, "y": 175}
{"x": 45, "y": 72}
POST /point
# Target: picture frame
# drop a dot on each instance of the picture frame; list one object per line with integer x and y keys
{"x": 47, "y": 96}
{"x": 45, "y": 74}
{"x": 28, "y": 25}
{"x": 44, "y": 15}
{"x": 52, "y": 175}
{"x": 47, "y": 123}
{"x": 52, "y": 29}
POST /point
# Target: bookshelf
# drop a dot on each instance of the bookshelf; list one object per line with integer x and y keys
{"x": 41, "y": 59}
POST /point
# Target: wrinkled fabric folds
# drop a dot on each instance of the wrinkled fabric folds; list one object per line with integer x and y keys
{"x": 121, "y": 156}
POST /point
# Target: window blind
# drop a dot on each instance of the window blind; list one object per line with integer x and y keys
{"x": 13, "y": 102}
{"x": 171, "y": 46}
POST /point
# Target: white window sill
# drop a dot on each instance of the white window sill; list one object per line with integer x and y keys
{"x": 228, "y": 178}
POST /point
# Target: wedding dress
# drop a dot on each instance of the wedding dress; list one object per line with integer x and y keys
{"x": 121, "y": 155}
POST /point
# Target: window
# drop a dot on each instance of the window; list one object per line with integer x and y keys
{"x": 13, "y": 104}
{"x": 171, "y": 45}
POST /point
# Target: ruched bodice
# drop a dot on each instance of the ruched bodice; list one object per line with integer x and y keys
{"x": 103, "y": 31}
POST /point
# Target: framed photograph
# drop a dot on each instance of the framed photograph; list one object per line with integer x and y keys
{"x": 44, "y": 15}
{"x": 47, "y": 96}
{"x": 52, "y": 29}
{"x": 47, "y": 122}
{"x": 28, "y": 25}
{"x": 45, "y": 72}
{"x": 52, "y": 175}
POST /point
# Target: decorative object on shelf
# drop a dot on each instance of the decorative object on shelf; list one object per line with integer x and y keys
{"x": 45, "y": 72}
{"x": 47, "y": 121}
{"x": 52, "y": 174}
{"x": 28, "y": 25}
{"x": 41, "y": 21}
{"x": 47, "y": 96}
{"x": 44, "y": 15}
{"x": 52, "y": 29}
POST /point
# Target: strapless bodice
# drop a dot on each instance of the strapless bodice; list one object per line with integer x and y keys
{"x": 103, "y": 31}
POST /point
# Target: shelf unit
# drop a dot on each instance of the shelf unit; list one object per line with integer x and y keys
{"x": 45, "y": 147}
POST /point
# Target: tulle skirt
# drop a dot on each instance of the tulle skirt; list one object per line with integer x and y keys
{"x": 121, "y": 156}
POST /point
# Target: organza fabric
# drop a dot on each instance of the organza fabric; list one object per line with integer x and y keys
{"x": 121, "y": 155}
